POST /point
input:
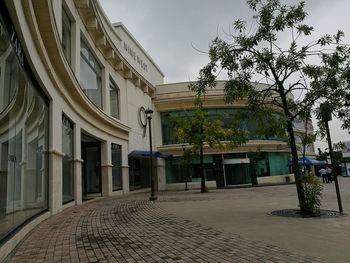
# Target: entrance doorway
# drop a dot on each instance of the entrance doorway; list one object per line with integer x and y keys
{"x": 91, "y": 167}
{"x": 236, "y": 172}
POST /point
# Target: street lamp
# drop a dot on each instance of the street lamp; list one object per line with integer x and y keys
{"x": 185, "y": 165}
{"x": 149, "y": 114}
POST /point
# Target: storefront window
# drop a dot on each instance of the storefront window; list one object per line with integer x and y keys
{"x": 90, "y": 75}
{"x": 116, "y": 169}
{"x": 23, "y": 141}
{"x": 67, "y": 162}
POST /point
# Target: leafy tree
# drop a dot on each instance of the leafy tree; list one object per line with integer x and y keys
{"x": 198, "y": 131}
{"x": 338, "y": 154}
{"x": 259, "y": 52}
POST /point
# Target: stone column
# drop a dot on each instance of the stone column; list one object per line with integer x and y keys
{"x": 107, "y": 180}
{"x": 106, "y": 168}
{"x": 78, "y": 184}
{"x": 161, "y": 174}
{"x": 55, "y": 181}
{"x": 125, "y": 179}
{"x": 55, "y": 159}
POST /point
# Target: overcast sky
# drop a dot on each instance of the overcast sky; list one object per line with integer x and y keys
{"x": 172, "y": 31}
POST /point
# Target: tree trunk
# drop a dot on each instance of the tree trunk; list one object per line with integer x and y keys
{"x": 293, "y": 147}
{"x": 296, "y": 169}
{"x": 201, "y": 170}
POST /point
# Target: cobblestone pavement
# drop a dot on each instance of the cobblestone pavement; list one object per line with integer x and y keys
{"x": 135, "y": 230}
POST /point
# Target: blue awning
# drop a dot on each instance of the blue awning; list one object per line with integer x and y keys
{"x": 147, "y": 154}
{"x": 308, "y": 161}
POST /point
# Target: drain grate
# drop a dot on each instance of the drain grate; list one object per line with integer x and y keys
{"x": 296, "y": 213}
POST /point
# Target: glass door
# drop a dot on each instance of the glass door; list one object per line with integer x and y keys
{"x": 91, "y": 169}
{"x": 236, "y": 174}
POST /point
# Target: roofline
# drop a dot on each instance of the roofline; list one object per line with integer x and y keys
{"x": 120, "y": 24}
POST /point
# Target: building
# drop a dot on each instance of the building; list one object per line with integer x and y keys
{"x": 73, "y": 90}
{"x": 262, "y": 160}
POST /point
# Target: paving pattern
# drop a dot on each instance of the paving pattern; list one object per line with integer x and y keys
{"x": 125, "y": 230}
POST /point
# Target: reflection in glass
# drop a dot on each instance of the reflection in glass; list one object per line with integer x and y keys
{"x": 116, "y": 169}
{"x": 90, "y": 75}
{"x": 23, "y": 143}
{"x": 114, "y": 99}
{"x": 67, "y": 162}
{"x": 66, "y": 35}
{"x": 91, "y": 154}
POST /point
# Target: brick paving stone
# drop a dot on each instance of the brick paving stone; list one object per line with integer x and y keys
{"x": 126, "y": 230}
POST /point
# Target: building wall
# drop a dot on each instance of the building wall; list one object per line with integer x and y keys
{"x": 39, "y": 28}
{"x": 263, "y": 155}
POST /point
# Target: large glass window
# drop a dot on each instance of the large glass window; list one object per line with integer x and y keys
{"x": 66, "y": 35}
{"x": 230, "y": 117}
{"x": 90, "y": 75}
{"x": 116, "y": 169}
{"x": 67, "y": 163}
{"x": 114, "y": 99}
{"x": 23, "y": 142}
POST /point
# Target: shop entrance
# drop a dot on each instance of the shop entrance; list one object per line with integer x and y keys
{"x": 91, "y": 167}
{"x": 236, "y": 172}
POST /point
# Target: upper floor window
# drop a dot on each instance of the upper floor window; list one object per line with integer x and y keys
{"x": 90, "y": 75}
{"x": 66, "y": 35}
{"x": 114, "y": 99}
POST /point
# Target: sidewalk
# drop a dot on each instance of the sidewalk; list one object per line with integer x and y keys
{"x": 230, "y": 225}
{"x": 246, "y": 212}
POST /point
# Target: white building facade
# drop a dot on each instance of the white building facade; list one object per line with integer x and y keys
{"x": 73, "y": 90}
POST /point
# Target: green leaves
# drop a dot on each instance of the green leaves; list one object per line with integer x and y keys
{"x": 197, "y": 130}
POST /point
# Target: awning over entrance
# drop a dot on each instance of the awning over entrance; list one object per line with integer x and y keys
{"x": 308, "y": 161}
{"x": 147, "y": 154}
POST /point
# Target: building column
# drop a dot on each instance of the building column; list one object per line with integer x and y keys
{"x": 106, "y": 169}
{"x": 78, "y": 184}
{"x": 161, "y": 174}
{"x": 55, "y": 159}
{"x": 107, "y": 180}
{"x": 125, "y": 179}
{"x": 55, "y": 181}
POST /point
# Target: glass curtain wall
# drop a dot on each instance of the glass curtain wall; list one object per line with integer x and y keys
{"x": 229, "y": 116}
{"x": 23, "y": 142}
{"x": 116, "y": 169}
{"x": 68, "y": 160}
{"x": 90, "y": 75}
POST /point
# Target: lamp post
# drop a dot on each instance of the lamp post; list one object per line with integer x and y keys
{"x": 185, "y": 166}
{"x": 149, "y": 114}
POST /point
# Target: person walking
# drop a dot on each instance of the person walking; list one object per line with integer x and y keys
{"x": 329, "y": 175}
{"x": 323, "y": 173}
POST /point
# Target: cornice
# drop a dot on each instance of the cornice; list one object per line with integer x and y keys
{"x": 40, "y": 19}
{"x": 92, "y": 21}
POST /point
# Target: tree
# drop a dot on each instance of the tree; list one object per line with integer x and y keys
{"x": 198, "y": 131}
{"x": 256, "y": 53}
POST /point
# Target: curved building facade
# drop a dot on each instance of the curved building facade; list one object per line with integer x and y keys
{"x": 71, "y": 86}
{"x": 73, "y": 91}
{"x": 262, "y": 160}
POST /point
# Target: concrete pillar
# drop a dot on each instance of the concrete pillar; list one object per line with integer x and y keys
{"x": 78, "y": 185}
{"x": 107, "y": 180}
{"x": 125, "y": 179}
{"x": 106, "y": 167}
{"x": 161, "y": 174}
{"x": 55, "y": 159}
{"x": 55, "y": 181}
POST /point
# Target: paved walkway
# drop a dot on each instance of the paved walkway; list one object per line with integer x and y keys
{"x": 132, "y": 229}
